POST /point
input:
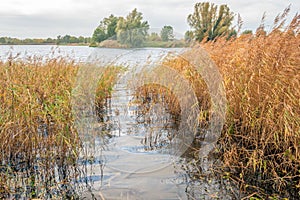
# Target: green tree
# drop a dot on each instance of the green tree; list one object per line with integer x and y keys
{"x": 210, "y": 21}
{"x": 131, "y": 30}
{"x": 66, "y": 39}
{"x": 58, "y": 39}
{"x": 246, "y": 32}
{"x": 49, "y": 40}
{"x": 2, "y": 40}
{"x": 111, "y": 25}
{"x": 166, "y": 33}
{"x": 99, "y": 34}
{"x": 81, "y": 39}
{"x": 106, "y": 29}
{"x": 154, "y": 37}
{"x": 188, "y": 36}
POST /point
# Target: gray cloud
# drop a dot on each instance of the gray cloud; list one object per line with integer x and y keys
{"x": 44, "y": 26}
{"x": 80, "y": 17}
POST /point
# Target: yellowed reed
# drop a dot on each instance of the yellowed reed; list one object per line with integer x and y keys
{"x": 36, "y": 124}
{"x": 260, "y": 143}
{"x": 106, "y": 82}
{"x": 155, "y": 92}
{"x": 37, "y": 133}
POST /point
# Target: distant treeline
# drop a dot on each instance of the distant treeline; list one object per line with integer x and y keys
{"x": 63, "y": 40}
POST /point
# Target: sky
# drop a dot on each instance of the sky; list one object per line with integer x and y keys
{"x": 44, "y": 18}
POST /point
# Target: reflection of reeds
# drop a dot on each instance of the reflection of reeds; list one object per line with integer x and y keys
{"x": 164, "y": 108}
{"x": 199, "y": 86}
{"x": 261, "y": 137}
{"x": 39, "y": 144}
{"x": 159, "y": 94}
{"x": 36, "y": 127}
{"x": 105, "y": 87}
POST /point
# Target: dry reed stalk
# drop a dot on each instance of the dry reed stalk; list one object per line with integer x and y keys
{"x": 39, "y": 143}
{"x": 260, "y": 143}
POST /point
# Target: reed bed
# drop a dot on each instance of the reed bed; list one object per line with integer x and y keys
{"x": 39, "y": 145}
{"x": 36, "y": 127}
{"x": 260, "y": 142}
{"x": 105, "y": 88}
{"x": 259, "y": 145}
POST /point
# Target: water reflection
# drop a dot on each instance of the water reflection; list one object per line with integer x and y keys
{"x": 129, "y": 155}
{"x": 137, "y": 160}
{"x": 47, "y": 171}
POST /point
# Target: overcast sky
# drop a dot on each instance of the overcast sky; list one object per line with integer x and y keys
{"x": 44, "y": 18}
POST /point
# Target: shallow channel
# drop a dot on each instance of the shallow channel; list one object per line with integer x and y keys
{"x": 136, "y": 159}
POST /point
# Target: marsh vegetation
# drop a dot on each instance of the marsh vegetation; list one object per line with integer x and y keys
{"x": 258, "y": 149}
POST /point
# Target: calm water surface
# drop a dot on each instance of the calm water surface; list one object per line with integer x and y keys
{"x": 78, "y": 53}
{"x": 129, "y": 164}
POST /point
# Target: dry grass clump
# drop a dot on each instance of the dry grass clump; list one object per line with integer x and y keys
{"x": 154, "y": 93}
{"x": 198, "y": 84}
{"x": 260, "y": 143}
{"x": 37, "y": 134}
{"x": 39, "y": 145}
{"x": 261, "y": 137}
{"x": 196, "y": 81}
{"x": 105, "y": 83}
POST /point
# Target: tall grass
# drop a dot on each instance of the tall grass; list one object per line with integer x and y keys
{"x": 36, "y": 127}
{"x": 39, "y": 145}
{"x": 105, "y": 87}
{"x": 259, "y": 145}
{"x": 260, "y": 142}
{"x": 261, "y": 138}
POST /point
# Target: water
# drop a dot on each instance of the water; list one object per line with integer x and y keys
{"x": 133, "y": 170}
{"x": 136, "y": 161}
{"x": 77, "y": 53}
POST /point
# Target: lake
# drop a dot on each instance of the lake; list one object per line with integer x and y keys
{"x": 136, "y": 161}
{"x": 77, "y": 53}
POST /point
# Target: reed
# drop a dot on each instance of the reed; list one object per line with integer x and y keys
{"x": 105, "y": 87}
{"x": 259, "y": 146}
{"x": 39, "y": 145}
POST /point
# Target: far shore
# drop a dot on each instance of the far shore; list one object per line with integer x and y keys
{"x": 114, "y": 46}
{"x": 71, "y": 44}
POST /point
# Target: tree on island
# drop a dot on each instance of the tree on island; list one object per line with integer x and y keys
{"x": 154, "y": 37}
{"x": 167, "y": 33}
{"x": 106, "y": 29}
{"x": 189, "y": 36}
{"x": 210, "y": 21}
{"x": 132, "y": 31}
